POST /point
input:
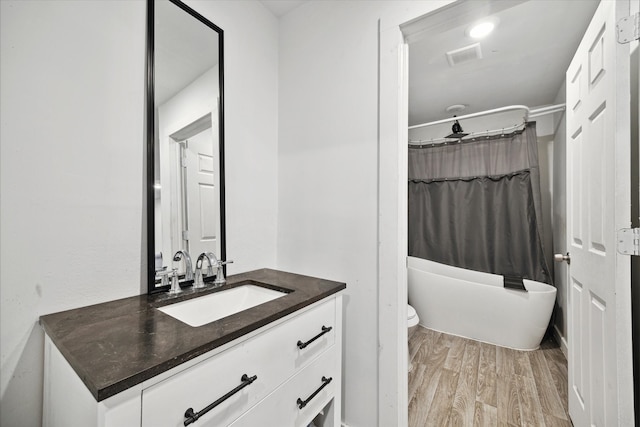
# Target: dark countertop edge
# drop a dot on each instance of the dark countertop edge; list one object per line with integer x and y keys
{"x": 156, "y": 300}
{"x": 106, "y": 392}
{"x": 71, "y": 360}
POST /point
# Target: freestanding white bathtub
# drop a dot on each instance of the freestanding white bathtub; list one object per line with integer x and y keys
{"x": 476, "y": 305}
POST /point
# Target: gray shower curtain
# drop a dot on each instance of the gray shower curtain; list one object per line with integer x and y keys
{"x": 476, "y": 205}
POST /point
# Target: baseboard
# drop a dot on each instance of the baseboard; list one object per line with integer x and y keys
{"x": 564, "y": 346}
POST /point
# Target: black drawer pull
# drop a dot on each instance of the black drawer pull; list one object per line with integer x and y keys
{"x": 192, "y": 417}
{"x": 302, "y": 345}
{"x": 302, "y": 403}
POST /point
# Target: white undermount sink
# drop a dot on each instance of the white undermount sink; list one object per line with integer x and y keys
{"x": 209, "y": 308}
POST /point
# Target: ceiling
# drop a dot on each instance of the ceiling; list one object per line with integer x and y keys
{"x": 282, "y": 7}
{"x": 523, "y": 61}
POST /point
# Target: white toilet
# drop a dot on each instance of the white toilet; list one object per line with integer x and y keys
{"x": 412, "y": 325}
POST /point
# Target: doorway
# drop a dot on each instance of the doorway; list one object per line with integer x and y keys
{"x": 395, "y": 76}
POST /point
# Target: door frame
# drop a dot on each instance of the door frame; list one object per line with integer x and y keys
{"x": 393, "y": 119}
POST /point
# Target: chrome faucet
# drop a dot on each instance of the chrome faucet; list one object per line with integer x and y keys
{"x": 188, "y": 275}
{"x": 213, "y": 257}
{"x": 199, "y": 282}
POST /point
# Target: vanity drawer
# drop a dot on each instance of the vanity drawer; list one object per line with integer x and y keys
{"x": 282, "y": 407}
{"x": 272, "y": 356}
{"x": 305, "y": 337}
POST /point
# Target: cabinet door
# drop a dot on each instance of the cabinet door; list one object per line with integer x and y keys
{"x": 282, "y": 407}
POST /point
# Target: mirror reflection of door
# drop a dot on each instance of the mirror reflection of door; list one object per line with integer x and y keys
{"x": 198, "y": 190}
{"x": 191, "y": 115}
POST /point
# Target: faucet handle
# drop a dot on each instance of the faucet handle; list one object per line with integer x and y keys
{"x": 220, "y": 280}
{"x": 164, "y": 276}
{"x": 175, "y": 284}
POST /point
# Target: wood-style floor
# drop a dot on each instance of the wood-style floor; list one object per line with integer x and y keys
{"x": 461, "y": 382}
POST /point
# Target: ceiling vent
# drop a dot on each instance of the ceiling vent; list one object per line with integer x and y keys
{"x": 464, "y": 54}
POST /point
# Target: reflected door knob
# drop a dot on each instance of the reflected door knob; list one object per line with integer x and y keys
{"x": 560, "y": 258}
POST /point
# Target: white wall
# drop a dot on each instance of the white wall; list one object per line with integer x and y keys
{"x": 72, "y": 86}
{"x": 559, "y": 222}
{"x": 71, "y": 155}
{"x": 327, "y": 222}
{"x": 328, "y": 173}
{"x": 545, "y": 130}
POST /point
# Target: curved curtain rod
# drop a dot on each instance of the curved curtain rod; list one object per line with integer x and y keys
{"x": 469, "y": 138}
{"x": 537, "y": 112}
{"x": 528, "y": 114}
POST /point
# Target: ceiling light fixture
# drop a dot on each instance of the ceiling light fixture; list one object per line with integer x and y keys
{"x": 482, "y": 29}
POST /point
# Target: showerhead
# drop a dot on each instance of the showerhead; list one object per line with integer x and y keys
{"x": 458, "y": 133}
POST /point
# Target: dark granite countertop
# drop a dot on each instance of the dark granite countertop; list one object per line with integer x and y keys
{"x": 117, "y": 344}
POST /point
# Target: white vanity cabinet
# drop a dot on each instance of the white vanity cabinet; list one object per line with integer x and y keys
{"x": 301, "y": 399}
{"x": 277, "y": 372}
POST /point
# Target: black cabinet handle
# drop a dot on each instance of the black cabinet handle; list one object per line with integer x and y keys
{"x": 302, "y": 345}
{"x": 302, "y": 403}
{"x": 192, "y": 417}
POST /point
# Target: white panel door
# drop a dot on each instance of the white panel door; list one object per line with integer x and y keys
{"x": 203, "y": 194}
{"x": 598, "y": 197}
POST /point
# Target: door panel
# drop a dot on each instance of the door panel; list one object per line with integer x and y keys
{"x": 577, "y": 354}
{"x": 203, "y": 194}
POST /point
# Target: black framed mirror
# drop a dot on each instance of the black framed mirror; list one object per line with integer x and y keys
{"x": 184, "y": 138}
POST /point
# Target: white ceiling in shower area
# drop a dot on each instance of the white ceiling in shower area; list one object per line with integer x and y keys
{"x": 523, "y": 61}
